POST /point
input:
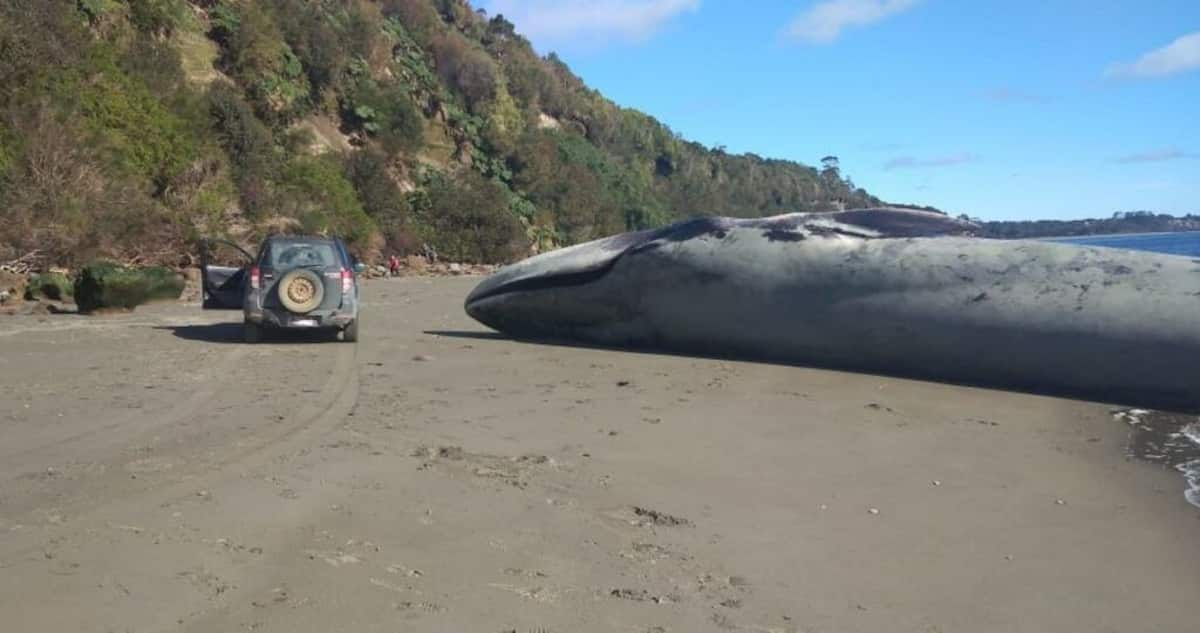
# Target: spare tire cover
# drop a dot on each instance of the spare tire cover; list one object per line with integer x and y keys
{"x": 301, "y": 290}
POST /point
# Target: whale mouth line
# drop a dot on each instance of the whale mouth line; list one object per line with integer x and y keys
{"x": 546, "y": 282}
{"x": 617, "y": 247}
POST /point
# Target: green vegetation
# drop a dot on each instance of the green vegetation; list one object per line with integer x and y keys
{"x": 164, "y": 283}
{"x": 131, "y": 128}
{"x": 105, "y": 284}
{"x": 54, "y": 286}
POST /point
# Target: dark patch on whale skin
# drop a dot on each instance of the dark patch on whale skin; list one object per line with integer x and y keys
{"x": 696, "y": 227}
{"x": 779, "y": 223}
{"x": 778, "y": 235}
{"x": 904, "y": 223}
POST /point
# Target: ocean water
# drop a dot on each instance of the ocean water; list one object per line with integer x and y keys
{"x": 1171, "y": 440}
{"x": 1184, "y": 243}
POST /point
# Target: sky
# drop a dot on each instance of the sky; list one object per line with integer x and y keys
{"x": 1003, "y": 110}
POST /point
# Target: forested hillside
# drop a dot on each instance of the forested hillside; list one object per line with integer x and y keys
{"x": 129, "y": 128}
{"x": 1120, "y": 222}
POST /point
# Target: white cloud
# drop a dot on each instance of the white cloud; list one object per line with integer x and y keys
{"x": 1180, "y": 56}
{"x": 911, "y": 162}
{"x": 1157, "y": 156}
{"x": 824, "y": 22}
{"x": 566, "y": 21}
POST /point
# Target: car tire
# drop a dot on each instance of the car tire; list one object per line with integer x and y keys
{"x": 251, "y": 332}
{"x": 350, "y": 333}
{"x": 300, "y": 291}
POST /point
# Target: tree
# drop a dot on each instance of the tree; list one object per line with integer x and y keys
{"x": 467, "y": 69}
{"x": 368, "y": 170}
{"x": 315, "y": 191}
{"x": 469, "y": 220}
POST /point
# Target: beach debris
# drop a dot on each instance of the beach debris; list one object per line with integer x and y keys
{"x": 1132, "y": 416}
{"x": 641, "y": 595}
{"x": 423, "y": 358}
{"x": 1061, "y": 502}
{"x": 873, "y": 511}
{"x": 660, "y": 518}
{"x": 936, "y": 482}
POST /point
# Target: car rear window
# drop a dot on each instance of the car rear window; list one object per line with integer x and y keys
{"x": 284, "y": 254}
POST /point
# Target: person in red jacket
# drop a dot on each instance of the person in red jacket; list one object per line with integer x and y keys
{"x": 393, "y": 265}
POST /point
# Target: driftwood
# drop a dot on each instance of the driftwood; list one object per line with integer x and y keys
{"x": 24, "y": 264}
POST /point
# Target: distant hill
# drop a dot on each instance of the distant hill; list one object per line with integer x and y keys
{"x": 1124, "y": 222}
{"x": 129, "y": 128}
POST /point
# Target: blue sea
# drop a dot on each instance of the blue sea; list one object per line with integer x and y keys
{"x": 1184, "y": 243}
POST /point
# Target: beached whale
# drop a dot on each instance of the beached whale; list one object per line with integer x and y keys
{"x": 880, "y": 290}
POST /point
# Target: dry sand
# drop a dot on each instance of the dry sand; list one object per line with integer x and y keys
{"x": 157, "y": 475}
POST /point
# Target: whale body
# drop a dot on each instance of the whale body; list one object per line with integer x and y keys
{"x": 886, "y": 291}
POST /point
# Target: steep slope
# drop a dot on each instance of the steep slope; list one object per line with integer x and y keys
{"x": 130, "y": 127}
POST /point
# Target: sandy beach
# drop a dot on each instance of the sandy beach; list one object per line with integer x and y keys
{"x": 156, "y": 474}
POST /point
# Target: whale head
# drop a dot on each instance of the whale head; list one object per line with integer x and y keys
{"x": 557, "y": 293}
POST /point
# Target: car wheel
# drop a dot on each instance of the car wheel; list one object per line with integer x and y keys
{"x": 350, "y": 334}
{"x": 251, "y": 332}
{"x": 300, "y": 291}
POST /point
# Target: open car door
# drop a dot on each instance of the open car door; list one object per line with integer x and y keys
{"x": 223, "y": 270}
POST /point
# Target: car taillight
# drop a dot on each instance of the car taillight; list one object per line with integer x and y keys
{"x": 255, "y": 277}
{"x": 347, "y": 281}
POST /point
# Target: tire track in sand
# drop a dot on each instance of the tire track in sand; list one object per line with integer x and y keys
{"x": 318, "y": 416}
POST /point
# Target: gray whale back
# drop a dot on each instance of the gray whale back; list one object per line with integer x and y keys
{"x": 885, "y": 291}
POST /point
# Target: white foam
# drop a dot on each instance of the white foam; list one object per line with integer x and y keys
{"x": 1191, "y": 474}
{"x": 1132, "y": 416}
{"x": 1192, "y": 432}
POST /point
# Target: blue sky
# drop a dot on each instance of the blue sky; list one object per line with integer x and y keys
{"x": 1008, "y": 109}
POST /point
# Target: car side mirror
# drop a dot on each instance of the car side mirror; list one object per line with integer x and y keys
{"x": 360, "y": 267}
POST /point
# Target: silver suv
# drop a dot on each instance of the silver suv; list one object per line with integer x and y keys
{"x": 295, "y": 282}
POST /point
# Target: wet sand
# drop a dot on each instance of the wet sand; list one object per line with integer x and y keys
{"x": 158, "y": 475}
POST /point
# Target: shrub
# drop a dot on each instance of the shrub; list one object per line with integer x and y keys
{"x": 54, "y": 286}
{"x": 382, "y": 199}
{"x": 315, "y": 191}
{"x": 109, "y": 285}
{"x": 467, "y": 219}
{"x": 157, "y": 17}
{"x": 139, "y": 132}
{"x": 248, "y": 143}
{"x": 164, "y": 283}
{"x": 465, "y": 68}
{"x": 387, "y": 113}
{"x": 256, "y": 54}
